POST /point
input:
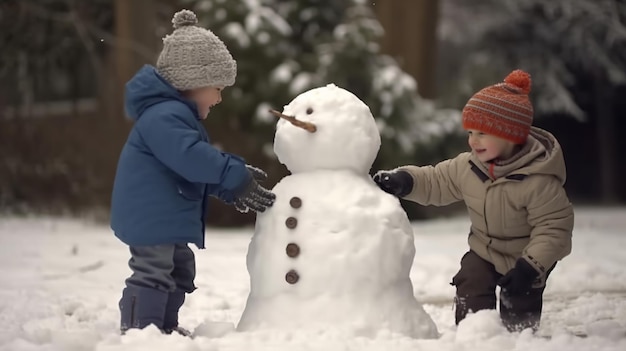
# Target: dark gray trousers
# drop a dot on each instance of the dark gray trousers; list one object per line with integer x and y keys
{"x": 476, "y": 284}
{"x": 163, "y": 267}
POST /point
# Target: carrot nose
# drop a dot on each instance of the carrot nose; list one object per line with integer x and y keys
{"x": 308, "y": 126}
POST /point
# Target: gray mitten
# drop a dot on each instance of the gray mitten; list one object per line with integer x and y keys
{"x": 253, "y": 196}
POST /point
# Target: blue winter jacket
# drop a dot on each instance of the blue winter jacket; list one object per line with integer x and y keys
{"x": 167, "y": 168}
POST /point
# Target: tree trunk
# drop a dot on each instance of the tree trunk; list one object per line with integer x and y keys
{"x": 605, "y": 129}
{"x": 133, "y": 44}
{"x": 411, "y": 38}
{"x": 136, "y": 44}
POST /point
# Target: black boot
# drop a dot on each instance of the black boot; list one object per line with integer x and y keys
{"x": 475, "y": 286}
{"x": 473, "y": 304}
{"x": 170, "y": 322}
{"x": 140, "y": 307}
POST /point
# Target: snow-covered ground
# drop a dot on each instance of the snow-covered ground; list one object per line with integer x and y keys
{"x": 60, "y": 281}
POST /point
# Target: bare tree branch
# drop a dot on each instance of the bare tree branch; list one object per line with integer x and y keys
{"x": 86, "y": 28}
{"x": 77, "y": 22}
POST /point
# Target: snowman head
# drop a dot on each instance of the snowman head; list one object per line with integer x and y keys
{"x": 326, "y": 128}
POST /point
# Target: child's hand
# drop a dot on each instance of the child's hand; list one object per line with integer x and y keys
{"x": 397, "y": 183}
{"x": 258, "y": 174}
{"x": 253, "y": 196}
{"x": 518, "y": 280}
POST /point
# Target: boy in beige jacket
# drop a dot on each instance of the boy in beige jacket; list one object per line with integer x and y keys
{"x": 512, "y": 183}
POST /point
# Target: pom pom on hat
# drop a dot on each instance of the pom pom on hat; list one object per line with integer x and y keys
{"x": 520, "y": 80}
{"x": 184, "y": 18}
{"x": 194, "y": 57}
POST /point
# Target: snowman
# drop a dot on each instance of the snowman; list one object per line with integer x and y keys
{"x": 334, "y": 250}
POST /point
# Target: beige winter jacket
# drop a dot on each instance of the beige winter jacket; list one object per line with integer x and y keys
{"x": 523, "y": 212}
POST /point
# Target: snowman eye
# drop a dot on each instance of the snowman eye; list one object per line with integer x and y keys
{"x": 309, "y": 110}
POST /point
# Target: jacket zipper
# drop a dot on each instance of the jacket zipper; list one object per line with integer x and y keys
{"x": 485, "y": 215}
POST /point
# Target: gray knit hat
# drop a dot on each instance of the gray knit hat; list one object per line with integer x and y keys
{"x": 194, "y": 57}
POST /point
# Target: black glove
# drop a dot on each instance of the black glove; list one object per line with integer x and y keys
{"x": 253, "y": 196}
{"x": 397, "y": 183}
{"x": 519, "y": 279}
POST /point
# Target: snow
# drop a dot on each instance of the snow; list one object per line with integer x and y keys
{"x": 393, "y": 77}
{"x": 253, "y": 20}
{"x": 300, "y": 82}
{"x": 282, "y": 73}
{"x": 236, "y": 31}
{"x": 347, "y": 136}
{"x": 344, "y": 260}
{"x": 220, "y": 14}
{"x": 307, "y": 14}
{"x": 62, "y": 279}
{"x": 355, "y": 256}
{"x": 258, "y": 14}
{"x": 263, "y": 38}
{"x": 262, "y": 113}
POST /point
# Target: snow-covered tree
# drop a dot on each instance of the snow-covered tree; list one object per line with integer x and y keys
{"x": 47, "y": 46}
{"x": 575, "y": 51}
{"x": 257, "y": 37}
{"x": 561, "y": 42}
{"x": 286, "y": 47}
{"x": 352, "y": 58}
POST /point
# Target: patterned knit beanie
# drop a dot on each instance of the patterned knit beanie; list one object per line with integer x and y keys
{"x": 503, "y": 109}
{"x": 193, "y": 57}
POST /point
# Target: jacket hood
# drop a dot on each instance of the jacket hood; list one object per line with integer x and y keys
{"x": 542, "y": 154}
{"x": 148, "y": 88}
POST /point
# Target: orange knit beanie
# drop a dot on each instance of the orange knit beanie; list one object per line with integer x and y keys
{"x": 503, "y": 109}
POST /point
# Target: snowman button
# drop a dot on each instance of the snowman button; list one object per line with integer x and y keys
{"x": 295, "y": 202}
{"x": 291, "y": 222}
{"x": 292, "y": 277}
{"x": 293, "y": 250}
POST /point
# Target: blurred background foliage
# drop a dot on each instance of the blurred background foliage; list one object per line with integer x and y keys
{"x": 64, "y": 63}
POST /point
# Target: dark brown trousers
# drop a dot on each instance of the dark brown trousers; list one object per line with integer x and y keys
{"x": 476, "y": 290}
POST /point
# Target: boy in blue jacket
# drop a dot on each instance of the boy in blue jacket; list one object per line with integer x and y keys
{"x": 167, "y": 169}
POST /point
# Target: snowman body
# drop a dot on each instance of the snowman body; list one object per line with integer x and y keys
{"x": 334, "y": 250}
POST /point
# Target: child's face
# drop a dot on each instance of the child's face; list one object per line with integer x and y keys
{"x": 489, "y": 147}
{"x": 205, "y": 98}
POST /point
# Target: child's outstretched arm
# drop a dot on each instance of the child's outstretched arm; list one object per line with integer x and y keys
{"x": 551, "y": 216}
{"x": 177, "y": 143}
{"x": 428, "y": 185}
